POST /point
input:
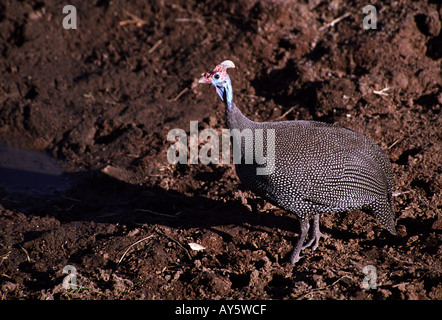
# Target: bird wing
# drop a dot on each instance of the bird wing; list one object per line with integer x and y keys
{"x": 333, "y": 168}
{"x": 347, "y": 180}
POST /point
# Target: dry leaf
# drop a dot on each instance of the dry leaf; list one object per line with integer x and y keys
{"x": 196, "y": 246}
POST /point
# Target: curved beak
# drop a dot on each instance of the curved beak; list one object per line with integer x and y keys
{"x": 203, "y": 79}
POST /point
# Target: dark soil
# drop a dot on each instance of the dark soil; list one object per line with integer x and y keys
{"x": 101, "y": 99}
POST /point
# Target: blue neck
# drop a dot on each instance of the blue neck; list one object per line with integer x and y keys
{"x": 226, "y": 93}
{"x": 229, "y": 95}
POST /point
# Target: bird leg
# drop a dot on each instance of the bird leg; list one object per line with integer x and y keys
{"x": 316, "y": 235}
{"x": 304, "y": 226}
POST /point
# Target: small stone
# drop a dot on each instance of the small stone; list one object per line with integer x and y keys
{"x": 432, "y": 23}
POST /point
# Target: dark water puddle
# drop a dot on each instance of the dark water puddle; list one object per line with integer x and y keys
{"x": 28, "y": 171}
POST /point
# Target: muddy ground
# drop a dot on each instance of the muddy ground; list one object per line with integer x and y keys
{"x": 100, "y": 99}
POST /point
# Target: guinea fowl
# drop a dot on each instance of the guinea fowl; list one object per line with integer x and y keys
{"x": 317, "y": 167}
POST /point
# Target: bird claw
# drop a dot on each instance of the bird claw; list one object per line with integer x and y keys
{"x": 318, "y": 236}
{"x": 314, "y": 240}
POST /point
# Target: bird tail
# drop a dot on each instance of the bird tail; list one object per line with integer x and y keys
{"x": 383, "y": 211}
{"x": 390, "y": 226}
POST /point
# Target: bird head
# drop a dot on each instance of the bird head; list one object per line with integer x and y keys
{"x": 219, "y": 78}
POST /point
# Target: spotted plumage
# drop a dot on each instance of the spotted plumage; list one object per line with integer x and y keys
{"x": 318, "y": 167}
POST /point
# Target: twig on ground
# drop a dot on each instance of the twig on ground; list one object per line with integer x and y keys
{"x": 189, "y": 20}
{"x": 177, "y": 242}
{"x": 157, "y": 213}
{"x": 284, "y": 114}
{"x": 155, "y": 46}
{"x": 26, "y": 252}
{"x": 135, "y": 20}
{"x": 179, "y": 94}
{"x": 335, "y": 21}
{"x": 69, "y": 198}
{"x": 396, "y": 194}
{"x": 382, "y": 92}
{"x": 5, "y": 256}
{"x": 324, "y": 288}
{"x": 128, "y": 248}
{"x": 394, "y": 143}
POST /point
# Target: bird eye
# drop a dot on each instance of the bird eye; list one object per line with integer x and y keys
{"x": 216, "y": 76}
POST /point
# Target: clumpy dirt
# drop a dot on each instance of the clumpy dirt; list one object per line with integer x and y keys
{"x": 101, "y": 99}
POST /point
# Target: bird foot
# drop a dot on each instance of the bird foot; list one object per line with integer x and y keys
{"x": 308, "y": 244}
{"x": 295, "y": 256}
{"x": 315, "y": 238}
{"x": 319, "y": 236}
{"x": 299, "y": 246}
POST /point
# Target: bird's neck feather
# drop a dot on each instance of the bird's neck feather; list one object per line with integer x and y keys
{"x": 228, "y": 94}
{"x": 235, "y": 119}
